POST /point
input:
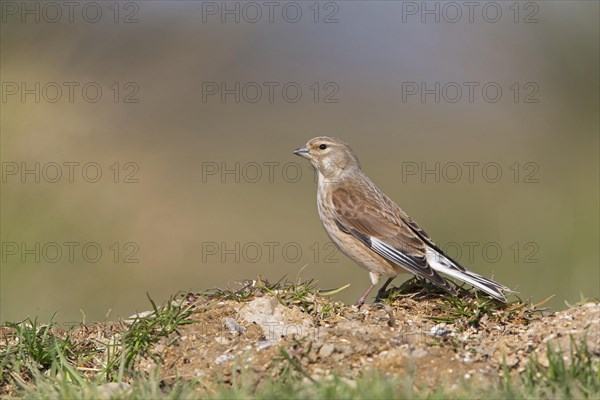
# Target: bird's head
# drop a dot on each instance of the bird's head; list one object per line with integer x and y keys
{"x": 331, "y": 157}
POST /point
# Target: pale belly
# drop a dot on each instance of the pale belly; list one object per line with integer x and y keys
{"x": 353, "y": 247}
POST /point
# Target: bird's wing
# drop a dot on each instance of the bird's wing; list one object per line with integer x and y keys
{"x": 366, "y": 215}
{"x": 421, "y": 233}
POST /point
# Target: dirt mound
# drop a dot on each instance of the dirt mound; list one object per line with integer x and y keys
{"x": 288, "y": 332}
{"x": 273, "y": 332}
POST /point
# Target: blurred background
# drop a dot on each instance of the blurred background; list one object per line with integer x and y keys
{"x": 146, "y": 146}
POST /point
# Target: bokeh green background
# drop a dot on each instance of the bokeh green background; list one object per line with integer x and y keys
{"x": 172, "y": 135}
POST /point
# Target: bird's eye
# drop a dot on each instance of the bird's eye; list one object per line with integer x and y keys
{"x": 323, "y": 146}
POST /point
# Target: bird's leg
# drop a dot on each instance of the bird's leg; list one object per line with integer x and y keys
{"x": 362, "y": 299}
{"x": 381, "y": 291}
{"x": 374, "y": 281}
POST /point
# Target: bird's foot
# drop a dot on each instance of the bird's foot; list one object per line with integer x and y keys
{"x": 359, "y": 303}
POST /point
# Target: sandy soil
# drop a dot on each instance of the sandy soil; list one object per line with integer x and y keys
{"x": 273, "y": 334}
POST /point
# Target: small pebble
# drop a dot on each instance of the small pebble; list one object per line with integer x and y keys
{"x": 233, "y": 326}
{"x": 326, "y": 350}
{"x": 223, "y": 358}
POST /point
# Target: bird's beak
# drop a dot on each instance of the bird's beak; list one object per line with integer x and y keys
{"x": 302, "y": 152}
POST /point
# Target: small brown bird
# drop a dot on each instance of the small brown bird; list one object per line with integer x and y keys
{"x": 372, "y": 230}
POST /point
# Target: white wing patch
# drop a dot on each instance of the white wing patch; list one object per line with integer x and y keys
{"x": 442, "y": 264}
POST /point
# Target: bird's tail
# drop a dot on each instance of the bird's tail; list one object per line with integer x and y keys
{"x": 446, "y": 265}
